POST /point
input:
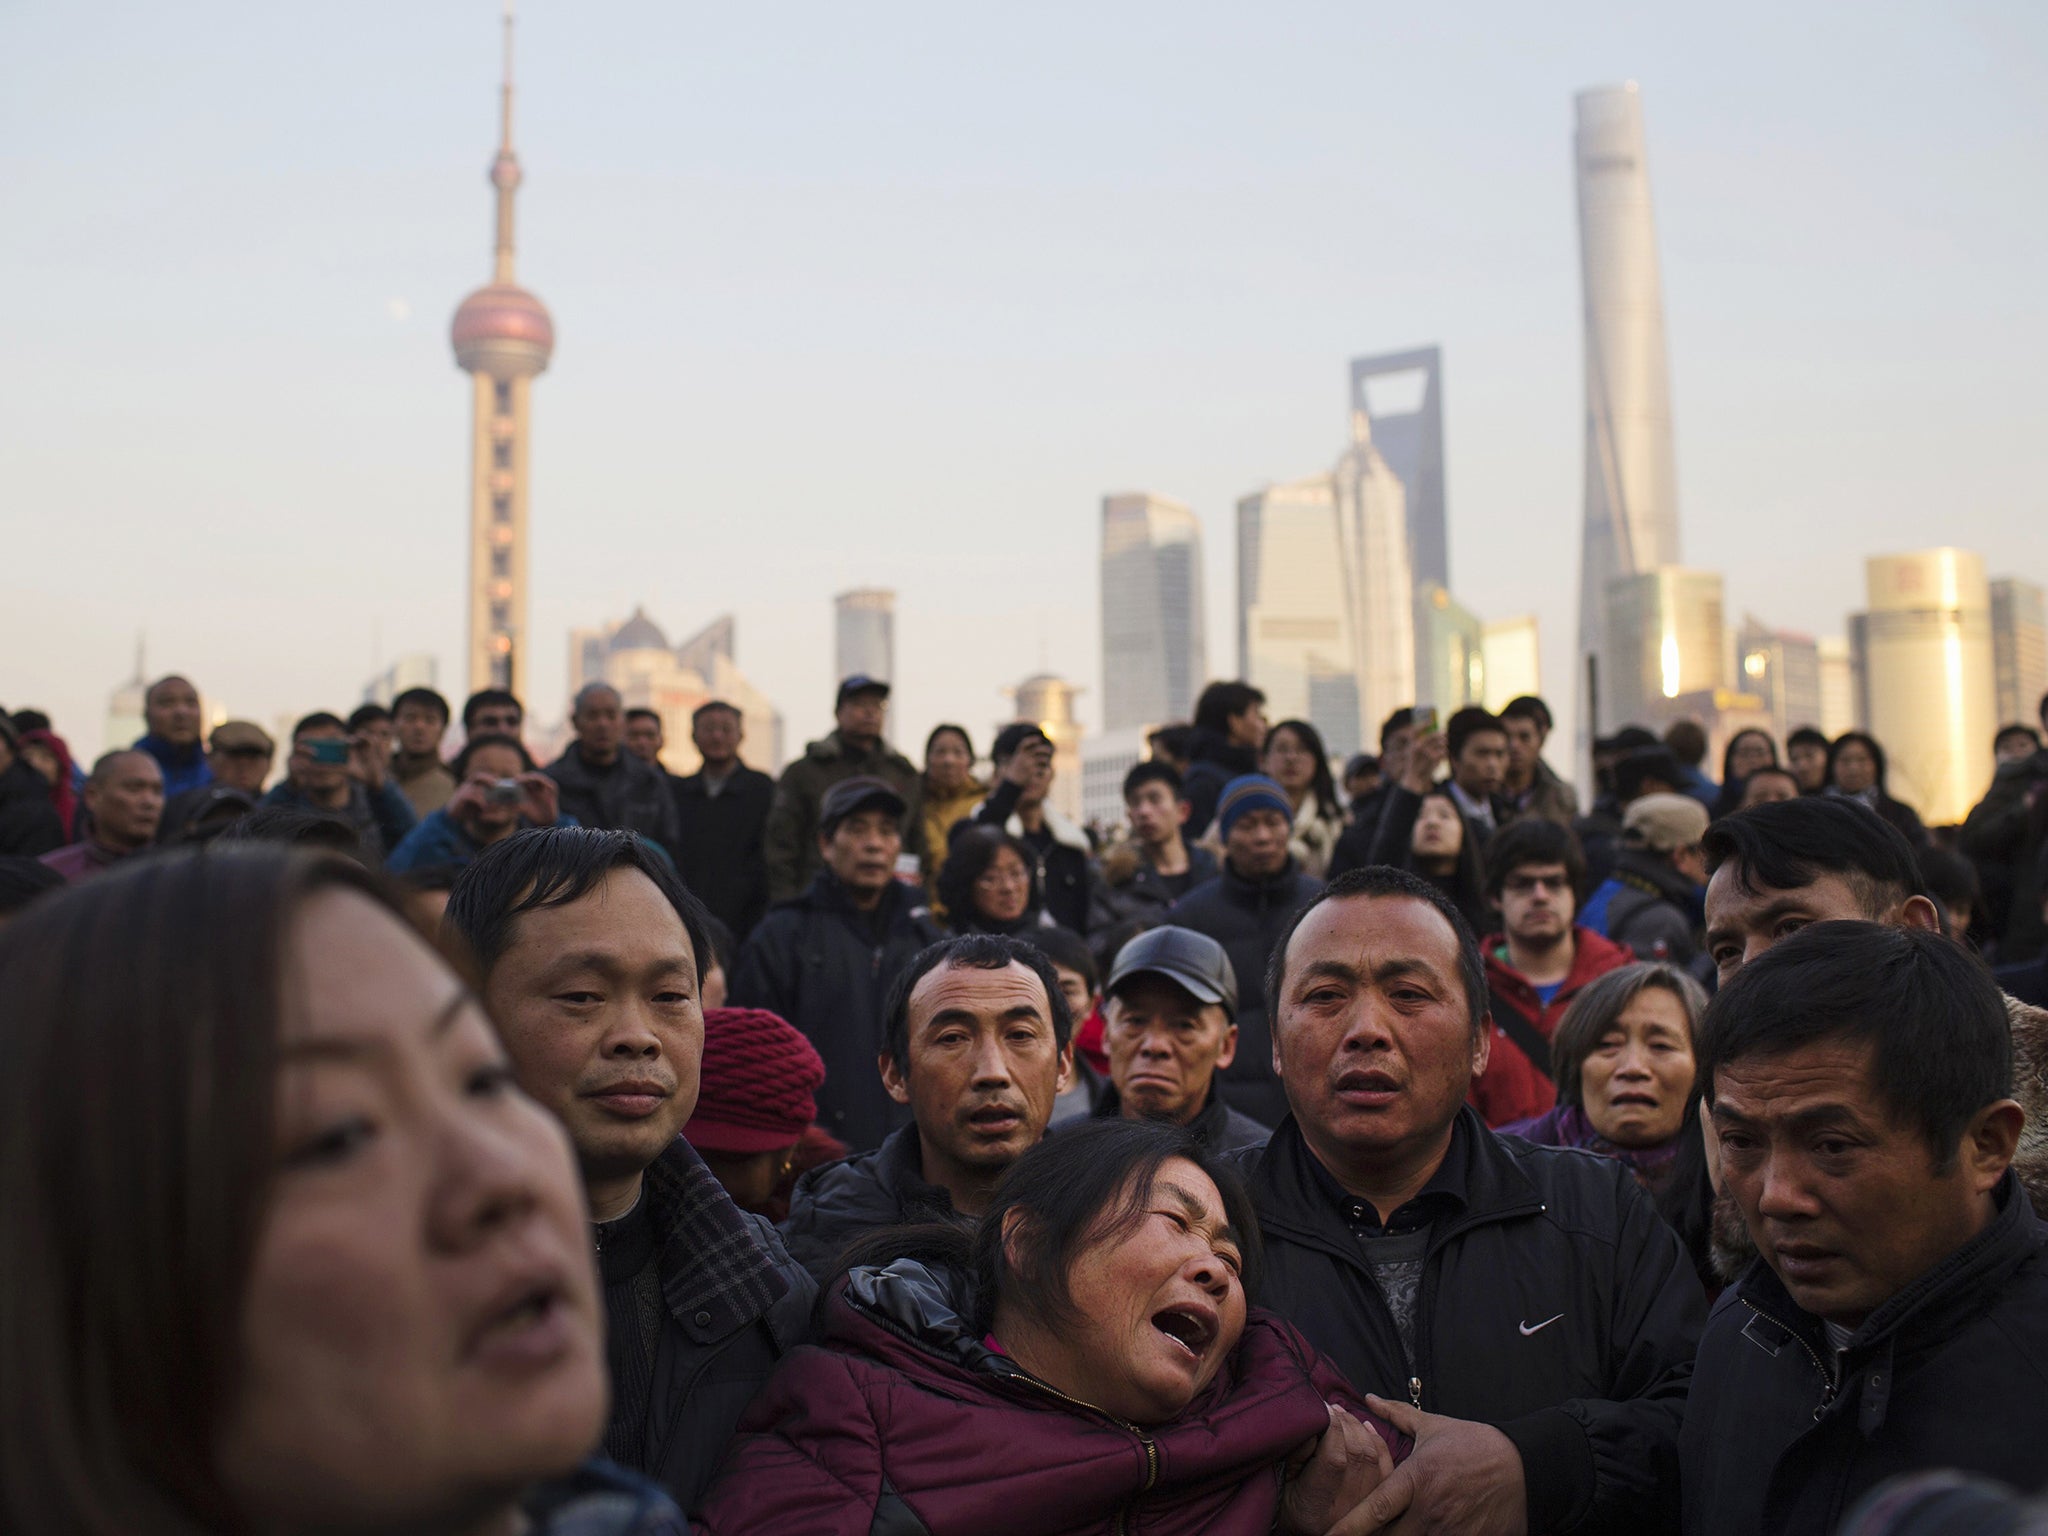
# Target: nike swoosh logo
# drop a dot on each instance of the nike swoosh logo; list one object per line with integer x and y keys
{"x": 1527, "y": 1330}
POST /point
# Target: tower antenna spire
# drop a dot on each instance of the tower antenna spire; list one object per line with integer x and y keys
{"x": 505, "y": 168}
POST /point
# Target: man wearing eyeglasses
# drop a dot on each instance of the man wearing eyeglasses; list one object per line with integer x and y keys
{"x": 1535, "y": 964}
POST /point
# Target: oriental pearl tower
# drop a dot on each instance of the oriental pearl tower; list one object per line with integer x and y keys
{"x": 503, "y": 337}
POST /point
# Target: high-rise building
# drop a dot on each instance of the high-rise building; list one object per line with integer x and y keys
{"x": 1927, "y": 677}
{"x": 865, "y": 630}
{"x": 636, "y": 658}
{"x": 1388, "y": 636}
{"x": 1453, "y": 669}
{"x": 1663, "y": 641}
{"x": 1840, "y": 689}
{"x": 1049, "y": 701}
{"x": 1155, "y": 654}
{"x": 2019, "y": 650}
{"x": 1784, "y": 670}
{"x": 1631, "y": 481}
{"x": 503, "y": 338}
{"x": 1401, "y": 396}
{"x": 1513, "y": 660}
{"x": 1295, "y": 637}
{"x": 1105, "y": 759}
{"x": 125, "y": 722}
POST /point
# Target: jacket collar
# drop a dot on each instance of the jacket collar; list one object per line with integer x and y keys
{"x": 1063, "y": 831}
{"x": 899, "y": 1169}
{"x": 827, "y": 893}
{"x": 1207, "y": 1126}
{"x": 1209, "y": 747}
{"x": 1244, "y": 887}
{"x": 165, "y": 753}
{"x": 1645, "y": 871}
{"x": 714, "y": 1276}
{"x": 1931, "y": 1308}
{"x": 1288, "y": 1190}
{"x": 1592, "y": 955}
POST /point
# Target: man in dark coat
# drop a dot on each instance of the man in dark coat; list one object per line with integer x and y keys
{"x": 854, "y": 749}
{"x": 1155, "y": 866}
{"x": 721, "y": 814}
{"x": 978, "y": 1045}
{"x": 1528, "y": 1314}
{"x": 602, "y": 784}
{"x": 1244, "y": 909}
{"x": 1168, "y": 1027}
{"x": 1230, "y": 728}
{"x": 590, "y": 950}
{"x": 825, "y": 961}
{"x": 170, "y": 710}
{"x": 339, "y": 774}
{"x": 29, "y": 824}
{"x": 1859, "y": 1079}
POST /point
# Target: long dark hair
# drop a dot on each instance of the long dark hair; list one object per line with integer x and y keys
{"x": 1869, "y": 744}
{"x": 131, "y": 1200}
{"x": 1323, "y": 786}
{"x": 1086, "y": 1185}
{"x": 1730, "y": 799}
{"x": 967, "y": 861}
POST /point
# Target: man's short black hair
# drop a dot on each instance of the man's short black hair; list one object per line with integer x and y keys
{"x": 1467, "y": 723}
{"x": 1384, "y": 880}
{"x": 295, "y": 828}
{"x": 475, "y": 744}
{"x": 1532, "y": 840}
{"x": 1399, "y": 720}
{"x": 1950, "y": 879}
{"x": 1941, "y": 1044}
{"x": 364, "y": 715}
{"x": 711, "y": 706}
{"x": 971, "y": 951}
{"x": 26, "y": 720}
{"x": 1173, "y": 741}
{"x": 1784, "y": 845}
{"x": 2026, "y": 733}
{"x": 487, "y": 698}
{"x": 1687, "y": 740}
{"x": 425, "y": 698}
{"x": 1222, "y": 701}
{"x": 1806, "y": 736}
{"x": 1635, "y": 771}
{"x": 1152, "y": 771}
{"x": 319, "y": 720}
{"x": 642, "y": 712}
{"x": 1013, "y": 737}
{"x": 1528, "y": 707}
{"x": 552, "y": 867}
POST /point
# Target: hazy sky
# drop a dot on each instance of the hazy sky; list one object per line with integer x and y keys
{"x": 892, "y": 294}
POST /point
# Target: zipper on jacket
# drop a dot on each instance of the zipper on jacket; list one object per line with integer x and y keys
{"x": 1829, "y": 1386}
{"x": 1120, "y": 1524}
{"x": 1415, "y": 1392}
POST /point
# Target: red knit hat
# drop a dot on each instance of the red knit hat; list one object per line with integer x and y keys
{"x": 754, "y": 1094}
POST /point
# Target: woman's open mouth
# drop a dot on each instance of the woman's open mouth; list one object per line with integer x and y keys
{"x": 1191, "y": 1328}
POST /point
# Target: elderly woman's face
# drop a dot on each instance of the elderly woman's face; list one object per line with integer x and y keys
{"x": 1635, "y": 1079}
{"x": 421, "y": 1337}
{"x": 1162, "y": 1306}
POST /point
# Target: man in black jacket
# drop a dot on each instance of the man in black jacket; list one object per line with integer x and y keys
{"x": 1397, "y": 739}
{"x": 1230, "y": 730}
{"x": 604, "y": 785}
{"x": 721, "y": 811}
{"x": 1245, "y": 909}
{"x": 979, "y": 1044}
{"x": 826, "y": 960}
{"x": 1527, "y": 1302}
{"x": 1859, "y": 1079}
{"x": 590, "y": 951}
{"x": 29, "y": 824}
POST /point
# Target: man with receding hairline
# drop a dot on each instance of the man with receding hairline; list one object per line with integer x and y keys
{"x": 604, "y": 785}
{"x": 1522, "y": 1310}
{"x": 170, "y": 710}
{"x": 125, "y": 794}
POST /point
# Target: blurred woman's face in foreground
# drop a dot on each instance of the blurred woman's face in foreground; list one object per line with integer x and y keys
{"x": 420, "y": 1337}
{"x": 1160, "y": 1306}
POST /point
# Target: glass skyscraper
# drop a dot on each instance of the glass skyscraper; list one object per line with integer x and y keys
{"x": 1155, "y": 653}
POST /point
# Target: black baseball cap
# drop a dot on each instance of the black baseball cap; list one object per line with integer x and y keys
{"x": 857, "y": 794}
{"x": 860, "y": 682}
{"x": 1184, "y": 957}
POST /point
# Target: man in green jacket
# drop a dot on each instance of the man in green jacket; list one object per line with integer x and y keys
{"x": 855, "y": 749}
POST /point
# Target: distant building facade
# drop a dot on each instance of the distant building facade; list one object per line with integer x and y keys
{"x": 1049, "y": 701}
{"x": 2019, "y": 650}
{"x": 1155, "y": 654}
{"x": 1453, "y": 670}
{"x": 1514, "y": 660}
{"x": 1410, "y": 437}
{"x": 416, "y": 669}
{"x": 1783, "y": 669}
{"x": 1664, "y": 639}
{"x": 1925, "y": 645}
{"x": 1295, "y": 635}
{"x": 636, "y": 658}
{"x": 865, "y": 633}
{"x": 1631, "y": 512}
{"x": 1841, "y": 690}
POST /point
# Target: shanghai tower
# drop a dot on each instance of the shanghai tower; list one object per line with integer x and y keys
{"x": 1631, "y": 482}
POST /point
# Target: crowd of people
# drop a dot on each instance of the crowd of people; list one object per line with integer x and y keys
{"x": 438, "y": 1140}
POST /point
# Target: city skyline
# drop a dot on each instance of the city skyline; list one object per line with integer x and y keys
{"x": 1155, "y": 641}
{"x": 966, "y": 320}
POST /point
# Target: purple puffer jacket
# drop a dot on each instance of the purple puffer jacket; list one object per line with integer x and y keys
{"x": 904, "y": 1423}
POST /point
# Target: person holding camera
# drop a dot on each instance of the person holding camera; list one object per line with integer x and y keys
{"x": 347, "y": 777}
{"x": 498, "y": 791}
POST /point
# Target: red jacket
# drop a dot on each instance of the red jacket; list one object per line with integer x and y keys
{"x": 902, "y": 1419}
{"x": 1511, "y": 1088}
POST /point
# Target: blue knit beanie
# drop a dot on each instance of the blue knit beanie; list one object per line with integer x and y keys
{"x": 1251, "y": 792}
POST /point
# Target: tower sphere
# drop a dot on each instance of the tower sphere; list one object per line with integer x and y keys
{"x": 504, "y": 331}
